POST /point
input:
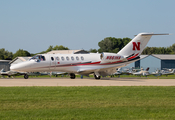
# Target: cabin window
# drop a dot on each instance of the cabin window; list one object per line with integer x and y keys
{"x": 67, "y": 58}
{"x": 77, "y": 58}
{"x": 72, "y": 58}
{"x": 52, "y": 58}
{"x": 62, "y": 58}
{"x": 82, "y": 58}
{"x": 57, "y": 58}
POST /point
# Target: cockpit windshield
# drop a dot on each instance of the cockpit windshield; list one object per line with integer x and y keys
{"x": 38, "y": 58}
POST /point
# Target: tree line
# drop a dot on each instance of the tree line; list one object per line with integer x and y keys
{"x": 6, "y": 55}
{"x": 159, "y": 50}
{"x": 109, "y": 44}
{"x": 114, "y": 45}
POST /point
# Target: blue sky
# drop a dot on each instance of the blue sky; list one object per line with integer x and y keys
{"x": 34, "y": 25}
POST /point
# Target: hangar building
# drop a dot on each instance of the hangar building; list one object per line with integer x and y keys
{"x": 155, "y": 61}
{"x": 19, "y": 59}
{"x": 4, "y": 64}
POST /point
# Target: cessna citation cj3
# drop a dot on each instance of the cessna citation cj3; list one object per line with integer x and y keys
{"x": 84, "y": 64}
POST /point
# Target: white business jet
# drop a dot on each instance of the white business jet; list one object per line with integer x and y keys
{"x": 142, "y": 72}
{"x": 99, "y": 64}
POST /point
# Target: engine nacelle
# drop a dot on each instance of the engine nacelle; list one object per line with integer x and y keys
{"x": 111, "y": 57}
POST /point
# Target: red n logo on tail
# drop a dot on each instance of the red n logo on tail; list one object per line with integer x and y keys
{"x": 136, "y": 46}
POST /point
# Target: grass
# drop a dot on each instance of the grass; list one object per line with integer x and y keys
{"x": 75, "y": 103}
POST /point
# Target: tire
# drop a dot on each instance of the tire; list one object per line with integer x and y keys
{"x": 72, "y": 76}
{"x": 26, "y": 76}
{"x": 97, "y": 77}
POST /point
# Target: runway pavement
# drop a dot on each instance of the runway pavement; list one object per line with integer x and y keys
{"x": 86, "y": 82}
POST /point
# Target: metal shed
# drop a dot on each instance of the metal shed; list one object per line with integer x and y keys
{"x": 4, "y": 64}
{"x": 19, "y": 60}
{"x": 167, "y": 61}
{"x": 157, "y": 61}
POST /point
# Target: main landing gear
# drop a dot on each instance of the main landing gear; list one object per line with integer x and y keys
{"x": 72, "y": 76}
{"x": 26, "y": 76}
{"x": 97, "y": 77}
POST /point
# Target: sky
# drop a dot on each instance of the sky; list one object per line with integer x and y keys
{"x": 34, "y": 25}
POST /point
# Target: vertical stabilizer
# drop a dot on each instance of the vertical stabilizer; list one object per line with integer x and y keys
{"x": 135, "y": 47}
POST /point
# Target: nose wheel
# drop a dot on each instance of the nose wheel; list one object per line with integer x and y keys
{"x": 26, "y": 76}
{"x": 72, "y": 76}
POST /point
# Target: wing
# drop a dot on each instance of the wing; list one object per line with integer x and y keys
{"x": 100, "y": 72}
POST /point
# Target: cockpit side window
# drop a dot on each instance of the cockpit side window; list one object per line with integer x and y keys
{"x": 42, "y": 58}
{"x": 38, "y": 58}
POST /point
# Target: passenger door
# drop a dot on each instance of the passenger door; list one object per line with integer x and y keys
{"x": 52, "y": 63}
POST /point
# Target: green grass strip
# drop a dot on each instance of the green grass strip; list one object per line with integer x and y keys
{"x": 75, "y": 103}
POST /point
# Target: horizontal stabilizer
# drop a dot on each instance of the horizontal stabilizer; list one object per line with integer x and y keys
{"x": 145, "y": 34}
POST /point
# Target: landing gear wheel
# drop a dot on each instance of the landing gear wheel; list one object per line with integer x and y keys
{"x": 72, "y": 76}
{"x": 97, "y": 77}
{"x": 26, "y": 76}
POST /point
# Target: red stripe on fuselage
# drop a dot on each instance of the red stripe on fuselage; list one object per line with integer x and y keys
{"x": 133, "y": 57}
{"x": 89, "y": 63}
{"x": 81, "y": 64}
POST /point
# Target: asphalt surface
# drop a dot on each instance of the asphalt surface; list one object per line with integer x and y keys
{"x": 86, "y": 82}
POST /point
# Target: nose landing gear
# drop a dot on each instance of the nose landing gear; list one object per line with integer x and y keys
{"x": 72, "y": 76}
{"x": 26, "y": 76}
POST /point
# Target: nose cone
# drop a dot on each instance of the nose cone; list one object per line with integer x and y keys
{"x": 20, "y": 67}
{"x": 14, "y": 68}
